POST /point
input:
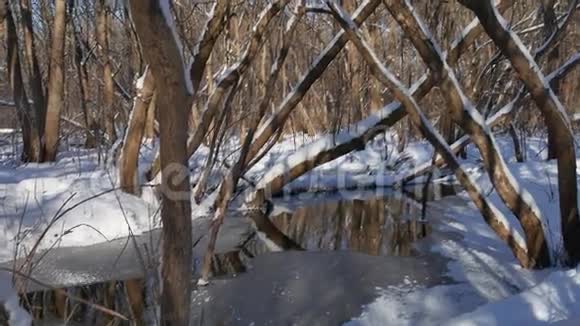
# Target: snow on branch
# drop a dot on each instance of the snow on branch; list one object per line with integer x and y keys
{"x": 497, "y": 221}
{"x": 330, "y": 147}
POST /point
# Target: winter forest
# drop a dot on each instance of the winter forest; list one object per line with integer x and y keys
{"x": 289, "y": 162}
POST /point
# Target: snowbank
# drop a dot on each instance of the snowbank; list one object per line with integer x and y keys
{"x": 555, "y": 299}
{"x": 10, "y": 301}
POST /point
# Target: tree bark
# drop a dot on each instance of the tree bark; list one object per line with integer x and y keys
{"x": 150, "y": 122}
{"x": 129, "y": 159}
{"x": 386, "y": 118}
{"x": 30, "y": 138}
{"x": 554, "y": 114}
{"x": 464, "y": 114}
{"x": 490, "y": 213}
{"x": 35, "y": 75}
{"x": 55, "y": 83}
{"x": 102, "y": 25}
{"x": 162, "y": 53}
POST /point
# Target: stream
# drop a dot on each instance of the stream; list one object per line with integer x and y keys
{"x": 355, "y": 244}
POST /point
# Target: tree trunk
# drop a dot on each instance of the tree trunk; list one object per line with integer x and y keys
{"x": 354, "y": 71}
{"x": 554, "y": 116}
{"x": 30, "y": 137}
{"x": 129, "y": 159}
{"x": 518, "y": 200}
{"x": 490, "y": 213}
{"x": 153, "y": 22}
{"x": 102, "y": 25}
{"x": 55, "y": 83}
{"x": 89, "y": 120}
{"x": 35, "y": 74}
{"x": 150, "y": 122}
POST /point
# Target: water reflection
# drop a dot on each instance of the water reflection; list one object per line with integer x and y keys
{"x": 376, "y": 226}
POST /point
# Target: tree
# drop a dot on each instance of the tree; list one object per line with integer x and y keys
{"x": 56, "y": 80}
{"x": 28, "y": 119}
{"x": 128, "y": 161}
{"x": 559, "y": 129}
{"x": 102, "y": 26}
{"x": 154, "y": 26}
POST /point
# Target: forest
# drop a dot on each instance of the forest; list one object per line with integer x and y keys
{"x": 304, "y": 162}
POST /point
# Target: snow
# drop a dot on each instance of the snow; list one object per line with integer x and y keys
{"x": 326, "y": 142}
{"x": 487, "y": 287}
{"x": 141, "y": 81}
{"x": 33, "y": 195}
{"x": 485, "y": 282}
{"x": 10, "y": 301}
{"x": 555, "y": 299}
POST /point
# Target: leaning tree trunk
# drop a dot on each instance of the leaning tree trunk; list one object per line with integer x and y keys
{"x": 297, "y": 165}
{"x": 230, "y": 181}
{"x": 490, "y": 213}
{"x": 230, "y": 78}
{"x": 153, "y": 22}
{"x": 128, "y": 161}
{"x": 559, "y": 129}
{"x": 462, "y": 111}
{"x": 290, "y": 102}
{"x": 55, "y": 83}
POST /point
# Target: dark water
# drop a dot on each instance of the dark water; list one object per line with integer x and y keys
{"x": 353, "y": 243}
{"x": 374, "y": 226}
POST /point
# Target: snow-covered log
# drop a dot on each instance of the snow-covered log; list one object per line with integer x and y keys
{"x": 560, "y": 135}
{"x": 282, "y": 113}
{"x": 463, "y": 112}
{"x": 330, "y": 147}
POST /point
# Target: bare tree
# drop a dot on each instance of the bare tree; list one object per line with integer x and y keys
{"x": 230, "y": 181}
{"x": 55, "y": 83}
{"x": 555, "y": 117}
{"x": 518, "y": 200}
{"x": 154, "y": 24}
{"x": 34, "y": 73}
{"x": 491, "y": 214}
{"x": 30, "y": 136}
{"x": 102, "y": 24}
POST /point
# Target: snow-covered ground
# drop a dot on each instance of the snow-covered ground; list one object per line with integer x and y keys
{"x": 77, "y": 196}
{"x": 32, "y": 196}
{"x": 491, "y": 288}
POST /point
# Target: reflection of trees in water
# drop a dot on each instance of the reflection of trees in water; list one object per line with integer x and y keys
{"x": 381, "y": 226}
